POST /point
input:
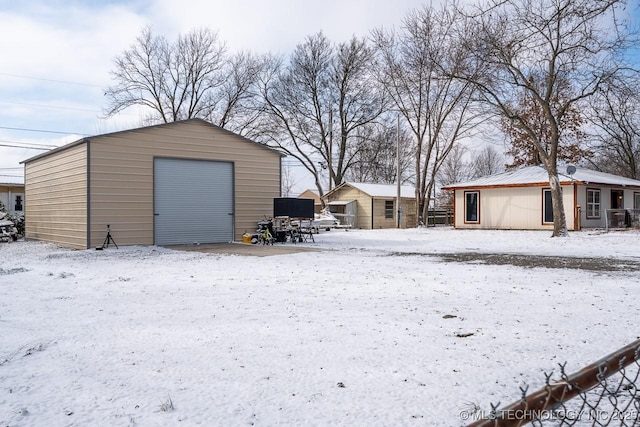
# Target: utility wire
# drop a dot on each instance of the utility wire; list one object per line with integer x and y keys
{"x": 39, "y": 144}
{"x": 29, "y": 145}
{"x": 49, "y": 80}
{"x": 49, "y": 106}
{"x": 27, "y": 148}
{"x": 43, "y": 131}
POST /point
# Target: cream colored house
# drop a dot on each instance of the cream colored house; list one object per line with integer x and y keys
{"x": 521, "y": 199}
{"x": 178, "y": 183}
{"x": 371, "y": 206}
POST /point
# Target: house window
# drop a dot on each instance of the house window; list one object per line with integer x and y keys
{"x": 636, "y": 200}
{"x": 547, "y": 206}
{"x": 388, "y": 209}
{"x": 593, "y": 203}
{"x": 472, "y": 206}
{"x": 18, "y": 205}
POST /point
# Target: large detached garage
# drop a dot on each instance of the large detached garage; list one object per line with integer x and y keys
{"x": 178, "y": 183}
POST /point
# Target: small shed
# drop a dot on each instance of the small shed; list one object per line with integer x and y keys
{"x": 310, "y": 194}
{"x": 521, "y": 199}
{"x": 183, "y": 182}
{"x": 371, "y": 206}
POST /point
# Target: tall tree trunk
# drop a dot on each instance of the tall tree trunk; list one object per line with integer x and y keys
{"x": 559, "y": 217}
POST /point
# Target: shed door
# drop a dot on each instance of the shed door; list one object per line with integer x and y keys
{"x": 193, "y": 201}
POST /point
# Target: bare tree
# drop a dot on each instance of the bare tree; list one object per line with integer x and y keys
{"x": 192, "y": 77}
{"x": 487, "y": 161}
{"x": 616, "y": 118}
{"x": 316, "y": 105}
{"x": 173, "y": 80}
{"x": 535, "y": 47}
{"x": 235, "y": 105}
{"x": 288, "y": 181}
{"x": 453, "y": 170}
{"x": 375, "y": 157}
{"x": 415, "y": 65}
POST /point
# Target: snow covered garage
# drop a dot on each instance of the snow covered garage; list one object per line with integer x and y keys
{"x": 176, "y": 183}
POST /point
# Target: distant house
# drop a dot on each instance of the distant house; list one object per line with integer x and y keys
{"x": 12, "y": 193}
{"x": 310, "y": 194}
{"x": 370, "y": 206}
{"x": 521, "y": 199}
{"x": 176, "y": 183}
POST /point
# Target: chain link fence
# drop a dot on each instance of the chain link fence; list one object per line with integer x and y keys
{"x": 622, "y": 218}
{"x": 604, "y": 393}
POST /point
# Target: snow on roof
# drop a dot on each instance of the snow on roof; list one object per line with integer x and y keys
{"x": 12, "y": 179}
{"x": 340, "y": 202}
{"x": 537, "y": 175}
{"x": 384, "y": 190}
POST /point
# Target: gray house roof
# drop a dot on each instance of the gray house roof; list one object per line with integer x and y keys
{"x": 537, "y": 176}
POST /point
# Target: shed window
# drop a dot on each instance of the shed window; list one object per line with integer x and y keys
{"x": 547, "y": 206}
{"x": 636, "y": 200}
{"x": 471, "y": 206}
{"x": 388, "y": 209}
{"x": 593, "y": 203}
{"x": 18, "y": 205}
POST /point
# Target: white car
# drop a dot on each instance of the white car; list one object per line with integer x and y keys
{"x": 8, "y": 230}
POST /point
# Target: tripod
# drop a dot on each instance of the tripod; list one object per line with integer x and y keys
{"x": 108, "y": 239}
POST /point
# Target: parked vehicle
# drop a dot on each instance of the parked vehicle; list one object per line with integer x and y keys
{"x": 8, "y": 230}
{"x": 325, "y": 220}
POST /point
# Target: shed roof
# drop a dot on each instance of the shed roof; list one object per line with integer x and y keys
{"x": 537, "y": 175}
{"x": 195, "y": 120}
{"x": 379, "y": 190}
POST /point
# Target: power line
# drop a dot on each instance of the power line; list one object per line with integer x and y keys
{"x": 49, "y": 106}
{"x": 49, "y": 80}
{"x": 43, "y": 131}
{"x": 56, "y": 107}
{"x": 27, "y": 148}
{"x": 30, "y": 145}
{"x": 39, "y": 144}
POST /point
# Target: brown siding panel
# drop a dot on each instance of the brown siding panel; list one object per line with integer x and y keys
{"x": 56, "y": 198}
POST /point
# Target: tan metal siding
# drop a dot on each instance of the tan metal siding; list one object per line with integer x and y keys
{"x": 408, "y": 217}
{"x": 379, "y": 221}
{"x": 363, "y": 203}
{"x": 56, "y": 198}
{"x": 121, "y": 192}
{"x": 512, "y": 208}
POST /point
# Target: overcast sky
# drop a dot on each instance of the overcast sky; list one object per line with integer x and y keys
{"x": 57, "y": 54}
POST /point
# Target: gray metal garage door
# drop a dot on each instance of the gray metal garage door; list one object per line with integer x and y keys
{"x": 193, "y": 201}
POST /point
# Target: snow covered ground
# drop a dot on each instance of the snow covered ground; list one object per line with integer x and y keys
{"x": 370, "y": 332}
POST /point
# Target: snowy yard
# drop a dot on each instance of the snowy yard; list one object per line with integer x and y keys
{"x": 375, "y": 331}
